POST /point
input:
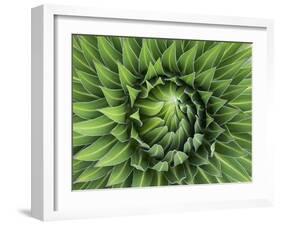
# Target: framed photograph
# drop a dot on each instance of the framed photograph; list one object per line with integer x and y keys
{"x": 137, "y": 113}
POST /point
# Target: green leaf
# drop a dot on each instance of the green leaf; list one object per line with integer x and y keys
{"x": 79, "y": 166}
{"x": 93, "y": 173}
{"x": 212, "y": 148}
{"x": 204, "y": 79}
{"x": 80, "y": 63}
{"x": 155, "y": 135}
{"x": 88, "y": 110}
{"x": 90, "y": 51}
{"x": 247, "y": 82}
{"x": 126, "y": 77}
{"x": 213, "y": 168}
{"x": 246, "y": 163}
{"x": 133, "y": 94}
{"x": 135, "y": 136}
{"x": 179, "y": 142}
{"x": 153, "y": 46}
{"x": 75, "y": 78}
{"x": 156, "y": 151}
{"x": 233, "y": 92}
{"x": 94, "y": 127}
{"x": 184, "y": 124}
{"x": 169, "y": 58}
{"x": 176, "y": 174}
{"x": 108, "y": 53}
{"x": 243, "y": 74}
{"x": 179, "y": 158}
{"x": 145, "y": 57}
{"x": 203, "y": 178}
{"x": 161, "y": 166}
{"x": 79, "y": 140}
{"x": 75, "y": 42}
{"x": 240, "y": 55}
{"x": 244, "y": 102}
{"x": 158, "y": 67}
{"x": 229, "y": 71}
{"x": 207, "y": 59}
{"x": 119, "y": 153}
{"x": 190, "y": 115}
{"x": 199, "y": 158}
{"x": 244, "y": 126}
{"x": 97, "y": 149}
{"x": 244, "y": 140}
{"x": 197, "y": 125}
{"x": 191, "y": 172}
{"x": 209, "y": 44}
{"x": 162, "y": 44}
{"x": 151, "y": 72}
{"x": 139, "y": 161}
{"x": 231, "y": 149}
{"x": 119, "y": 174}
{"x": 225, "y": 114}
{"x": 188, "y": 145}
{"x": 226, "y": 136}
{"x": 130, "y": 55}
{"x": 76, "y": 118}
{"x": 218, "y": 87}
{"x": 116, "y": 114}
{"x": 215, "y": 104}
{"x": 159, "y": 179}
{"x": 241, "y": 117}
{"x": 189, "y": 79}
{"x": 213, "y": 131}
{"x": 154, "y": 70}
{"x": 145, "y": 90}
{"x": 167, "y": 140}
{"x": 186, "y": 60}
{"x": 114, "y": 97}
{"x": 91, "y": 39}
{"x": 90, "y": 83}
{"x": 120, "y": 132}
{"x": 169, "y": 157}
{"x": 231, "y": 49}
{"x": 209, "y": 120}
{"x": 197, "y": 140}
{"x": 125, "y": 184}
{"x": 205, "y": 96}
{"x": 142, "y": 178}
{"x": 232, "y": 168}
{"x": 200, "y": 47}
{"x": 117, "y": 42}
{"x": 81, "y": 185}
{"x": 107, "y": 77}
{"x": 96, "y": 184}
{"x": 179, "y": 48}
{"x": 149, "y": 108}
{"x": 136, "y": 117}
{"x": 80, "y": 94}
{"x": 185, "y": 45}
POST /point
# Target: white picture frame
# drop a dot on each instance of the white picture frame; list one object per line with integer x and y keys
{"x": 52, "y": 197}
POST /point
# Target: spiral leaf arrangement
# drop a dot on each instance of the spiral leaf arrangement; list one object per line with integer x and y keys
{"x": 152, "y": 112}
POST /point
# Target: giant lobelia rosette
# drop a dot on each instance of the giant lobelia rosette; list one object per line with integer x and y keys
{"x": 152, "y": 112}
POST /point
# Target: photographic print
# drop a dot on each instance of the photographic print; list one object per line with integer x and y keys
{"x": 157, "y": 112}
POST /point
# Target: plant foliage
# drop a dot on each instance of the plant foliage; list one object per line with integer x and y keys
{"x": 151, "y": 112}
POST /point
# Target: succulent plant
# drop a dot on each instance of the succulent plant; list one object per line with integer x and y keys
{"x": 152, "y": 112}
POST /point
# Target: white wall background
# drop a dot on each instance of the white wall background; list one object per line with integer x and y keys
{"x": 15, "y": 111}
